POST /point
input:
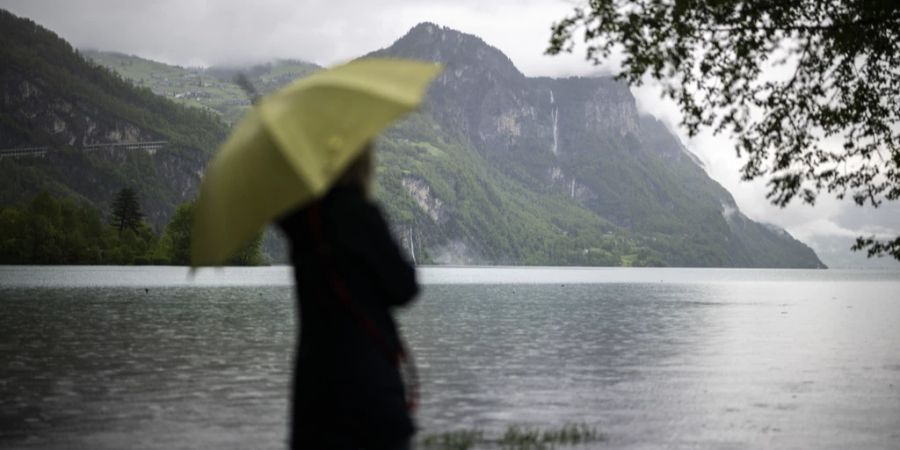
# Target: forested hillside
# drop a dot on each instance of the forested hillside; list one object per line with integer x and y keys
{"x": 497, "y": 168}
{"x": 55, "y": 98}
{"x": 558, "y": 171}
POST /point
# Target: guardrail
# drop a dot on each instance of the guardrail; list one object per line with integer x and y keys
{"x": 39, "y": 152}
{"x": 146, "y": 145}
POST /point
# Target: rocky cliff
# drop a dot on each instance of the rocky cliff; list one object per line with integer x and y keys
{"x": 583, "y": 138}
{"x": 83, "y": 114}
{"x": 497, "y": 168}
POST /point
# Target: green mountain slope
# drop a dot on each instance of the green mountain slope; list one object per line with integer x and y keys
{"x": 449, "y": 206}
{"x": 54, "y": 98}
{"x": 206, "y": 88}
{"x": 497, "y": 168}
{"x": 579, "y": 143}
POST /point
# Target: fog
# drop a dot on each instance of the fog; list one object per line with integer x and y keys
{"x": 228, "y": 32}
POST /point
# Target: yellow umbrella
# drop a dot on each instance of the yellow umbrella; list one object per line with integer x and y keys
{"x": 292, "y": 146}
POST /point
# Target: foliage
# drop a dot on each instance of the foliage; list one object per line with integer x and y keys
{"x": 453, "y": 440}
{"x": 716, "y": 59}
{"x": 247, "y": 86}
{"x": 505, "y": 217}
{"x": 63, "y": 231}
{"x": 503, "y": 153}
{"x": 51, "y": 230}
{"x": 487, "y": 206}
{"x": 40, "y": 55}
{"x": 89, "y": 100}
{"x": 126, "y": 211}
{"x": 177, "y": 236}
{"x": 249, "y": 254}
{"x": 515, "y": 437}
{"x": 498, "y": 219}
{"x": 177, "y": 241}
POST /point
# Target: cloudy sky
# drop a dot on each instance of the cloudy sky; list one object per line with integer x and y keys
{"x": 206, "y": 32}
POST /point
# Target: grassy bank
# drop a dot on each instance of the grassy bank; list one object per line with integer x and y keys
{"x": 515, "y": 437}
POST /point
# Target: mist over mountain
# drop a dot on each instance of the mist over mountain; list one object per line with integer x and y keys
{"x": 497, "y": 168}
{"x": 82, "y": 115}
{"x": 582, "y": 141}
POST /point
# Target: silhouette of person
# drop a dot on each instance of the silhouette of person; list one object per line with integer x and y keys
{"x": 349, "y": 390}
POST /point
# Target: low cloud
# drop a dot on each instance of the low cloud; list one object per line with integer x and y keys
{"x": 202, "y": 32}
{"x": 829, "y": 220}
{"x": 224, "y": 32}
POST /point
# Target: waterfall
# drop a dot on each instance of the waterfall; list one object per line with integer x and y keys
{"x": 412, "y": 246}
{"x": 573, "y": 187}
{"x": 555, "y": 116}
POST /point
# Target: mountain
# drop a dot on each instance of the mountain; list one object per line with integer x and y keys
{"x": 212, "y": 88}
{"x": 95, "y": 131}
{"x": 497, "y": 167}
{"x": 573, "y": 142}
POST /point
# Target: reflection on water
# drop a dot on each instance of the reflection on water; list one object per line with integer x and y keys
{"x": 661, "y": 358}
{"x": 723, "y": 365}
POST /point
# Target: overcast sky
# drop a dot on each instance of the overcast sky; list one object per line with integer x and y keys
{"x": 207, "y": 32}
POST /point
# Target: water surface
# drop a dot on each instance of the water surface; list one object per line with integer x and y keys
{"x": 112, "y": 357}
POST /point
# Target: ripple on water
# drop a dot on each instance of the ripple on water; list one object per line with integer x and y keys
{"x": 687, "y": 363}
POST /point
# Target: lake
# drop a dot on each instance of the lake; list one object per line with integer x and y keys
{"x": 157, "y": 358}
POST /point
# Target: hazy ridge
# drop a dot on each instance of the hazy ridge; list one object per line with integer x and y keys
{"x": 497, "y": 168}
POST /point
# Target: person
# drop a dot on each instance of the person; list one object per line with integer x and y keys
{"x": 349, "y": 391}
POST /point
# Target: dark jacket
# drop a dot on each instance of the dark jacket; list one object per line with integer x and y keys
{"x": 348, "y": 391}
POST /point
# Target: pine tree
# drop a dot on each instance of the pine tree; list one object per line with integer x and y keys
{"x": 126, "y": 211}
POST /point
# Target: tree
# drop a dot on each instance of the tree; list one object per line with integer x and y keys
{"x": 126, "y": 211}
{"x": 719, "y": 60}
{"x": 52, "y": 230}
{"x": 250, "y": 254}
{"x": 43, "y": 229}
{"x": 178, "y": 235}
{"x": 177, "y": 238}
{"x": 247, "y": 86}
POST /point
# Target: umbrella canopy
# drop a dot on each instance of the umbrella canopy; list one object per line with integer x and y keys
{"x": 294, "y": 144}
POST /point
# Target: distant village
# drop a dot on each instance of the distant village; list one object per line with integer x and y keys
{"x": 201, "y": 87}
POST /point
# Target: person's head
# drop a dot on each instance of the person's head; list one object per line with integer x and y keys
{"x": 360, "y": 172}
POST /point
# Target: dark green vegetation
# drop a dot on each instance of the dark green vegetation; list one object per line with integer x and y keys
{"x": 434, "y": 188}
{"x": 126, "y": 211}
{"x": 497, "y": 168}
{"x": 63, "y": 231}
{"x": 716, "y": 59}
{"x": 502, "y": 168}
{"x": 514, "y": 438}
{"x": 178, "y": 235}
{"x": 50, "y": 230}
{"x": 49, "y": 74}
{"x": 53, "y": 97}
